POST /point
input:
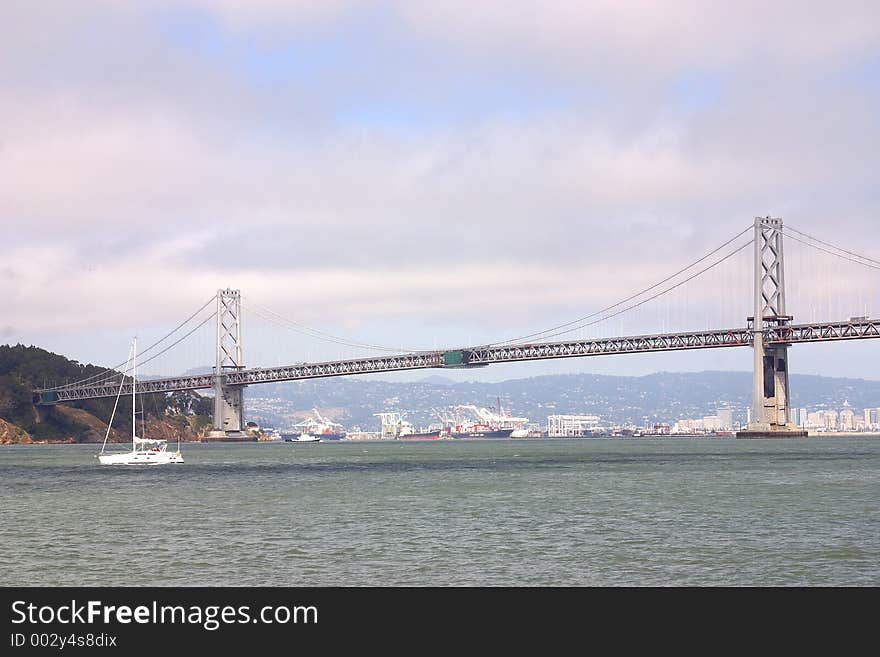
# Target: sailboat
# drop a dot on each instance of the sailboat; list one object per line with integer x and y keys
{"x": 144, "y": 451}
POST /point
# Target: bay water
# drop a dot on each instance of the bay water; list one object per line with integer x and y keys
{"x": 534, "y": 513}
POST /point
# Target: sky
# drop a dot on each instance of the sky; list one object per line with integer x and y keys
{"x": 428, "y": 174}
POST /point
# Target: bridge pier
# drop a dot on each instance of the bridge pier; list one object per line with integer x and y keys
{"x": 228, "y": 399}
{"x": 770, "y": 387}
{"x": 228, "y": 414}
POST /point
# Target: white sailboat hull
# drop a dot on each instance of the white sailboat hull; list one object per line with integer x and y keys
{"x": 141, "y": 458}
{"x": 144, "y": 451}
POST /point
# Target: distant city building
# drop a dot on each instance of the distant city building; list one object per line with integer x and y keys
{"x": 847, "y": 418}
{"x": 688, "y": 426}
{"x": 723, "y": 421}
{"x": 831, "y": 422}
{"x": 822, "y": 420}
{"x": 872, "y": 419}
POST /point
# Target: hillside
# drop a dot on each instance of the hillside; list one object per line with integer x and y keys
{"x": 176, "y": 416}
{"x": 662, "y": 397}
{"x": 9, "y": 433}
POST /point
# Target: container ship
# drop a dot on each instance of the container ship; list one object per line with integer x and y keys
{"x": 468, "y": 421}
{"x": 425, "y": 434}
{"x": 481, "y": 431}
{"x": 316, "y": 427}
{"x": 394, "y": 427}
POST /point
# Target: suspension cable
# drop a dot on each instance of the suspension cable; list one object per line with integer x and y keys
{"x": 651, "y": 298}
{"x": 115, "y": 368}
{"x": 293, "y": 325}
{"x": 623, "y": 301}
{"x": 873, "y": 264}
{"x": 181, "y": 339}
{"x": 175, "y": 343}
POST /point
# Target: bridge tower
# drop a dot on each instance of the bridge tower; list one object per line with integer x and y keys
{"x": 228, "y": 400}
{"x": 770, "y": 387}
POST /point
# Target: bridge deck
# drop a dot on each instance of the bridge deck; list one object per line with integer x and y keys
{"x": 853, "y": 329}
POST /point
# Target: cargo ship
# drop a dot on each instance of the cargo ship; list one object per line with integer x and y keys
{"x": 468, "y": 421}
{"x": 430, "y": 434}
{"x": 481, "y": 431}
{"x": 318, "y": 427}
{"x": 394, "y": 427}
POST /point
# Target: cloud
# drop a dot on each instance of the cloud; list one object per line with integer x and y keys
{"x": 602, "y": 36}
{"x": 265, "y": 14}
{"x": 373, "y": 160}
{"x": 654, "y": 38}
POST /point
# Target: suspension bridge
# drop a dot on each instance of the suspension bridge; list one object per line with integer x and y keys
{"x": 770, "y": 331}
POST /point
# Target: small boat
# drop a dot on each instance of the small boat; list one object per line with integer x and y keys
{"x": 300, "y": 438}
{"x": 144, "y": 451}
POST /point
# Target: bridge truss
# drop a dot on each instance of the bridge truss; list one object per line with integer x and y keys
{"x": 856, "y": 328}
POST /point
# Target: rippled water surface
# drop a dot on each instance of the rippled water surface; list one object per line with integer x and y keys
{"x": 637, "y": 512}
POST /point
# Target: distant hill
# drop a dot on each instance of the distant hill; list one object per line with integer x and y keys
{"x": 662, "y": 397}
{"x": 198, "y": 371}
{"x": 436, "y": 379}
{"x": 656, "y": 398}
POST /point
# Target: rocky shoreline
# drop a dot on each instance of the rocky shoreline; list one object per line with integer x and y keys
{"x": 92, "y": 430}
{"x": 11, "y": 434}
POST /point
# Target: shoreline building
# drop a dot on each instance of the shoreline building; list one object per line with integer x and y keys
{"x": 725, "y": 415}
{"x": 847, "y": 418}
{"x": 721, "y": 421}
{"x": 572, "y": 426}
{"x": 872, "y": 419}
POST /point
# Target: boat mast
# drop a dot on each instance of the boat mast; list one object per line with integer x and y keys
{"x": 116, "y": 403}
{"x": 133, "y": 386}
